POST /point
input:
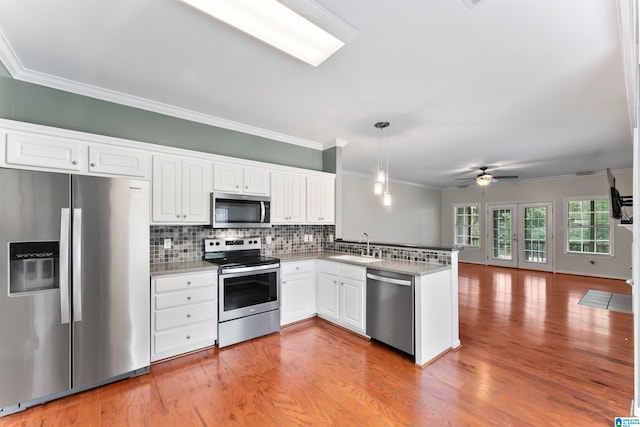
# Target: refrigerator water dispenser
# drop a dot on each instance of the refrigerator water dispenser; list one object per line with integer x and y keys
{"x": 33, "y": 266}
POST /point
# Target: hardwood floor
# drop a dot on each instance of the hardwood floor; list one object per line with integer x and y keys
{"x": 530, "y": 356}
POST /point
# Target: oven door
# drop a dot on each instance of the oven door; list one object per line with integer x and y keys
{"x": 248, "y": 290}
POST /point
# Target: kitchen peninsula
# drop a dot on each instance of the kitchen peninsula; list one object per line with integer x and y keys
{"x": 435, "y": 301}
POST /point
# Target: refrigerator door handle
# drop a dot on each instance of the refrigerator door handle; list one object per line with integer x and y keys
{"x": 77, "y": 265}
{"x": 64, "y": 265}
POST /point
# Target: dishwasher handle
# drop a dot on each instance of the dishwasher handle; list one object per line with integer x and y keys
{"x": 389, "y": 280}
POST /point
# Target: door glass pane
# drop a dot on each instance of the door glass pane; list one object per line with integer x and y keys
{"x": 535, "y": 234}
{"x": 502, "y": 248}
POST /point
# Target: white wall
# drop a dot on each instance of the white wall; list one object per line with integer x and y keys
{"x": 414, "y": 217}
{"x": 547, "y": 190}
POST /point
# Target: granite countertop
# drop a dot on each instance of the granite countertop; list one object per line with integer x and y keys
{"x": 181, "y": 267}
{"x": 399, "y": 266}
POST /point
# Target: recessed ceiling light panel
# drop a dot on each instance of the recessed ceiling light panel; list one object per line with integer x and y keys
{"x": 275, "y": 24}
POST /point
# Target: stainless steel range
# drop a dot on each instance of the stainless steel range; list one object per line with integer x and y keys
{"x": 249, "y": 290}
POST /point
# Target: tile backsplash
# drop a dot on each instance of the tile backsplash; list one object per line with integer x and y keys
{"x": 187, "y": 245}
{"x": 186, "y": 240}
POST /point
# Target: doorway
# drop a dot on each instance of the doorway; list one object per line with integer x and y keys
{"x": 520, "y": 235}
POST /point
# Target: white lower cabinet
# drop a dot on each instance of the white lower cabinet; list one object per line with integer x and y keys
{"x": 342, "y": 294}
{"x": 298, "y": 290}
{"x": 184, "y": 313}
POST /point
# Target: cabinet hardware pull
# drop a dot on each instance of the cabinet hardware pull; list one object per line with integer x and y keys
{"x": 93, "y": 165}
{"x": 178, "y": 216}
{"x": 188, "y": 315}
{"x": 74, "y": 162}
{"x": 188, "y": 298}
{"x": 188, "y": 283}
{"x": 184, "y": 216}
{"x": 188, "y": 337}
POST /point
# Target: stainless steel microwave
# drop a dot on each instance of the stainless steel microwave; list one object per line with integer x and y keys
{"x": 230, "y": 210}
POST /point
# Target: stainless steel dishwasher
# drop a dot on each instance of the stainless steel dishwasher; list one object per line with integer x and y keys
{"x": 390, "y": 309}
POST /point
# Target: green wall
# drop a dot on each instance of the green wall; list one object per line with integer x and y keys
{"x": 41, "y": 105}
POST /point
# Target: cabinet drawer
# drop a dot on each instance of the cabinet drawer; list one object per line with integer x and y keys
{"x": 185, "y": 315}
{"x": 289, "y": 268}
{"x": 186, "y": 297}
{"x": 352, "y": 272}
{"x": 176, "y": 283}
{"x": 181, "y": 337}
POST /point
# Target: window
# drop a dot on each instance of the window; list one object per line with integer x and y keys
{"x": 589, "y": 227}
{"x": 467, "y": 225}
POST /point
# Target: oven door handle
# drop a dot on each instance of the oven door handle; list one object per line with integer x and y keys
{"x": 248, "y": 269}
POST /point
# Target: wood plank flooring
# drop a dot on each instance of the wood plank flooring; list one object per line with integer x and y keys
{"x": 530, "y": 356}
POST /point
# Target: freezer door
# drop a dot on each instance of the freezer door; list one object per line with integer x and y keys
{"x": 34, "y": 341}
{"x": 111, "y": 293}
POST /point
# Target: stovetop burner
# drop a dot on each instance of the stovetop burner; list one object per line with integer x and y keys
{"x": 229, "y": 253}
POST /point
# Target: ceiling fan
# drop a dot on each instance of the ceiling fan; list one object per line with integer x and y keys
{"x": 485, "y": 178}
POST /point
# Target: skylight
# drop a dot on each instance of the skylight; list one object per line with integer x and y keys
{"x": 274, "y": 24}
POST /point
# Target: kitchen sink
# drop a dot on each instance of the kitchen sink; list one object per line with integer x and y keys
{"x": 356, "y": 258}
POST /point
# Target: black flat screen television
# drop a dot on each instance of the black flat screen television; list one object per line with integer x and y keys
{"x": 617, "y": 202}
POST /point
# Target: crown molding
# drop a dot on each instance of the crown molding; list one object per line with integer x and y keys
{"x": 8, "y": 56}
{"x": 337, "y": 142}
{"x": 19, "y": 72}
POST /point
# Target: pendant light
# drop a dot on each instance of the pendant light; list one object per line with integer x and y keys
{"x": 382, "y": 176}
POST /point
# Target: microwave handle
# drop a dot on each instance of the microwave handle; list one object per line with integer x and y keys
{"x": 263, "y": 212}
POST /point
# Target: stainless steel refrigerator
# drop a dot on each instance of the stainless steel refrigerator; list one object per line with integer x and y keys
{"x": 74, "y": 284}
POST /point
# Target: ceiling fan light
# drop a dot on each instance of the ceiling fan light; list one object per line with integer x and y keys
{"x": 484, "y": 180}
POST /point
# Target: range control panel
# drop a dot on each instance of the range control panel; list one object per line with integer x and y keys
{"x": 231, "y": 244}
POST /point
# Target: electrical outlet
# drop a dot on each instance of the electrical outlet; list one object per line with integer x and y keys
{"x": 330, "y": 237}
{"x": 268, "y": 240}
{"x": 311, "y": 237}
{"x": 167, "y": 243}
{"x": 306, "y": 237}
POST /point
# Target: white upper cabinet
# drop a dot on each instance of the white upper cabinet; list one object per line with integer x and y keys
{"x": 230, "y": 178}
{"x": 256, "y": 181}
{"x": 180, "y": 190}
{"x": 109, "y": 160}
{"x": 47, "y": 152}
{"x": 43, "y": 151}
{"x": 287, "y": 198}
{"x": 320, "y": 200}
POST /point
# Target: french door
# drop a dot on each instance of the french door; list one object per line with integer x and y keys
{"x": 520, "y": 235}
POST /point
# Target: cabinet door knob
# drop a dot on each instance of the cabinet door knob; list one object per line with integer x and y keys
{"x": 237, "y": 186}
{"x": 284, "y": 283}
{"x": 178, "y": 216}
{"x": 184, "y": 216}
{"x": 188, "y": 298}
{"x": 246, "y": 187}
{"x": 93, "y": 165}
{"x": 188, "y": 283}
{"x": 188, "y": 337}
{"x": 188, "y": 315}
{"x": 74, "y": 162}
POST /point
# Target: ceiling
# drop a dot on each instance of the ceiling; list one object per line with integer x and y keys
{"x": 529, "y": 88}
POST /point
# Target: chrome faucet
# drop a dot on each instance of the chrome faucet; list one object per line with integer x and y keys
{"x": 368, "y": 248}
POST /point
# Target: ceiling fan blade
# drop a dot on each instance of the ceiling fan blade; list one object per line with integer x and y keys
{"x": 506, "y": 177}
{"x": 465, "y": 179}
